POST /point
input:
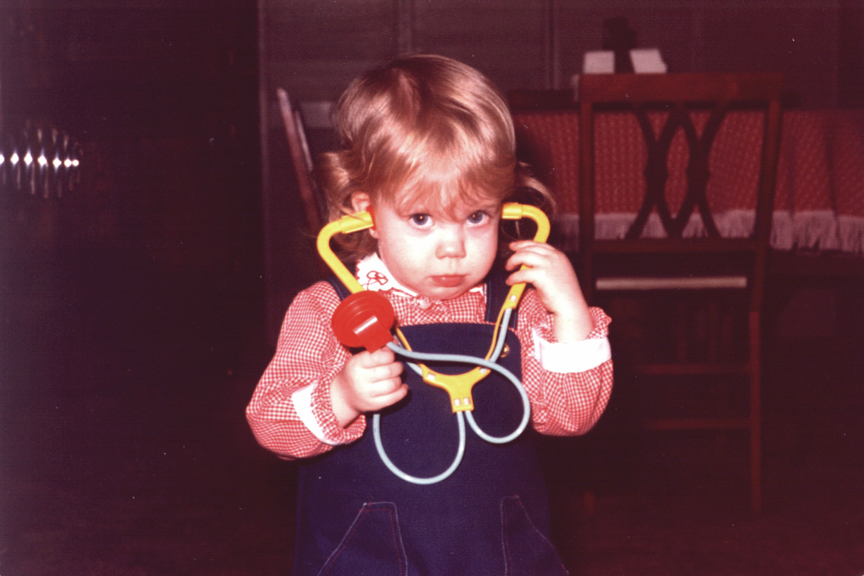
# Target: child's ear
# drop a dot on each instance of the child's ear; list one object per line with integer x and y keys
{"x": 361, "y": 202}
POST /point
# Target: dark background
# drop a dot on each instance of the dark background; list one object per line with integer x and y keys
{"x": 139, "y": 310}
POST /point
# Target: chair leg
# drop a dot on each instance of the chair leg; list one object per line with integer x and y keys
{"x": 755, "y": 413}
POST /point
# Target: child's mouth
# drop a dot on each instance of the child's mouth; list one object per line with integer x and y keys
{"x": 448, "y": 281}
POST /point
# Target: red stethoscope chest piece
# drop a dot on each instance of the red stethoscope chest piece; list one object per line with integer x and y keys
{"x": 364, "y": 320}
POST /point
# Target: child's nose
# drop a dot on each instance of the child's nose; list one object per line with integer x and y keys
{"x": 451, "y": 244}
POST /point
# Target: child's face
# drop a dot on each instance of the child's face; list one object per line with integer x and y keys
{"x": 437, "y": 255}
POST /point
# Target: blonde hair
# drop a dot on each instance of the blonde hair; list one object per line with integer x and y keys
{"x": 422, "y": 129}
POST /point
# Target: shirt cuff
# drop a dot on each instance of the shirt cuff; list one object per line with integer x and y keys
{"x": 317, "y": 415}
{"x": 570, "y": 357}
{"x": 302, "y": 400}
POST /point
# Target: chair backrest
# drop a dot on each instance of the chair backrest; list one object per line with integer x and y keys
{"x": 695, "y": 108}
{"x": 301, "y": 160}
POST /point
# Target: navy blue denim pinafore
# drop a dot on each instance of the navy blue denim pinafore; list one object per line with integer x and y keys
{"x": 489, "y": 518}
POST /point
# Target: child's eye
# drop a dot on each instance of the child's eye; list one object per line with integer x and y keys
{"x": 478, "y": 217}
{"x": 421, "y": 220}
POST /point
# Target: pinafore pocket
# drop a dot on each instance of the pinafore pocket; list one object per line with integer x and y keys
{"x": 372, "y": 545}
{"x": 527, "y": 552}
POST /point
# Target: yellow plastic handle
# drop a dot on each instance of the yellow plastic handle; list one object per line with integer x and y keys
{"x": 458, "y": 386}
{"x": 514, "y": 211}
{"x": 345, "y": 225}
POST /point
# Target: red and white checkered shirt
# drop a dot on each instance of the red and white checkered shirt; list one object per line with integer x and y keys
{"x": 568, "y": 384}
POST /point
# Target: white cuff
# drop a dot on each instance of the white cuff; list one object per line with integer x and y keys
{"x": 302, "y": 399}
{"x": 566, "y": 358}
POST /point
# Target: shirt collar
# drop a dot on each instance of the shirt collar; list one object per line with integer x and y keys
{"x": 374, "y": 276}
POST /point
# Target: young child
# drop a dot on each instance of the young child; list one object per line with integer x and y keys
{"x": 427, "y": 146}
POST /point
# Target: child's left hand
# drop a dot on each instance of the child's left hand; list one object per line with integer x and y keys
{"x": 550, "y": 272}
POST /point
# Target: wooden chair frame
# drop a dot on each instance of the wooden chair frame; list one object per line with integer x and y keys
{"x": 301, "y": 160}
{"x": 677, "y": 92}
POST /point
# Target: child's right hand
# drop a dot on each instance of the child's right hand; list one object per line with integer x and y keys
{"x": 370, "y": 381}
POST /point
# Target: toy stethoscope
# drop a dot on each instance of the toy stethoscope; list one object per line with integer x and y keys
{"x": 365, "y": 319}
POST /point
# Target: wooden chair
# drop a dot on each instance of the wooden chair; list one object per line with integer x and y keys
{"x": 301, "y": 160}
{"x": 709, "y": 265}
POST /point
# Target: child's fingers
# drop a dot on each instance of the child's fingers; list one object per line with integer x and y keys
{"x": 528, "y": 253}
{"x": 528, "y": 259}
{"x": 381, "y": 357}
{"x": 378, "y": 395}
{"x": 381, "y": 401}
{"x": 384, "y": 387}
{"x": 520, "y": 245}
{"x": 386, "y": 372}
{"x": 381, "y": 377}
{"x": 548, "y": 269}
{"x": 523, "y": 276}
{"x": 543, "y": 281}
{"x": 530, "y": 263}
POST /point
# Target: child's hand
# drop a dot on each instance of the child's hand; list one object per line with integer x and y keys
{"x": 370, "y": 381}
{"x": 552, "y": 275}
